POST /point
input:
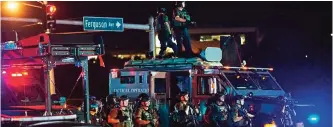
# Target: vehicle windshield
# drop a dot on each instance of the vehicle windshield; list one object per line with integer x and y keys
{"x": 252, "y": 80}
{"x": 265, "y": 81}
{"x": 241, "y": 80}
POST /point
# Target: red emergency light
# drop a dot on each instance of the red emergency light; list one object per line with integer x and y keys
{"x": 51, "y": 9}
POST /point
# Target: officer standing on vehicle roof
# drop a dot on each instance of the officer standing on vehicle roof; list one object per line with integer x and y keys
{"x": 163, "y": 28}
{"x": 122, "y": 116}
{"x": 181, "y": 21}
{"x": 186, "y": 112}
{"x": 146, "y": 116}
{"x": 239, "y": 115}
{"x": 218, "y": 112}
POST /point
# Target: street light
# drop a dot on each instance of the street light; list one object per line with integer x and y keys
{"x": 12, "y": 5}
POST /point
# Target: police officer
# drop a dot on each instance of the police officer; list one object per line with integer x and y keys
{"x": 181, "y": 21}
{"x": 110, "y": 103}
{"x": 239, "y": 115}
{"x": 164, "y": 32}
{"x": 137, "y": 104}
{"x": 218, "y": 111}
{"x": 146, "y": 116}
{"x": 121, "y": 117}
{"x": 186, "y": 111}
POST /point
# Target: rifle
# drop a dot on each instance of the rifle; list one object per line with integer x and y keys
{"x": 152, "y": 123}
{"x": 243, "y": 113}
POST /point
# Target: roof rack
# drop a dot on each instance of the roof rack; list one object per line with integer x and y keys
{"x": 169, "y": 64}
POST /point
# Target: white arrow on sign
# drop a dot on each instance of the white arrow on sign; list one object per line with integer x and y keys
{"x": 118, "y": 24}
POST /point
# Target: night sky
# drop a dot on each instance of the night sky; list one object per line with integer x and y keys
{"x": 292, "y": 30}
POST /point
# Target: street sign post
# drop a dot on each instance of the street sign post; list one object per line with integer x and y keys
{"x": 103, "y": 24}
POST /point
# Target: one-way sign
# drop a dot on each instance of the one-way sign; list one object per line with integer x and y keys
{"x": 103, "y": 24}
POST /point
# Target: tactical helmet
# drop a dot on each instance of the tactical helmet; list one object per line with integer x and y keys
{"x": 218, "y": 96}
{"x": 123, "y": 97}
{"x": 145, "y": 99}
{"x": 92, "y": 98}
{"x": 162, "y": 10}
{"x": 110, "y": 98}
{"x": 143, "y": 95}
{"x": 183, "y": 93}
{"x": 179, "y": 3}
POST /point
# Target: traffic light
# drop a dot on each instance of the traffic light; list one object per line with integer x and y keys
{"x": 50, "y": 19}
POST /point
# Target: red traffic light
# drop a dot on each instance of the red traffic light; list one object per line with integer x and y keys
{"x": 50, "y": 9}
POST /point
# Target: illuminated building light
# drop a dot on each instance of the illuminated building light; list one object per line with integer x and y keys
{"x": 19, "y": 74}
{"x": 205, "y": 38}
{"x": 14, "y": 75}
{"x": 3, "y": 72}
{"x": 25, "y": 73}
{"x": 226, "y": 67}
{"x": 271, "y": 69}
{"x": 238, "y": 77}
{"x": 242, "y": 38}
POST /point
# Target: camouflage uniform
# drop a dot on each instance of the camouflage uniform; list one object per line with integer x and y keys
{"x": 147, "y": 115}
{"x": 123, "y": 115}
{"x": 182, "y": 118}
{"x": 216, "y": 114}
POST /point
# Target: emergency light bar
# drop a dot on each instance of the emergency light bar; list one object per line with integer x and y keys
{"x": 248, "y": 68}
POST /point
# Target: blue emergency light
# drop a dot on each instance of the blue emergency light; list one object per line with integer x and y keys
{"x": 313, "y": 119}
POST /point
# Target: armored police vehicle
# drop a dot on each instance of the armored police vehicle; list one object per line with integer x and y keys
{"x": 163, "y": 79}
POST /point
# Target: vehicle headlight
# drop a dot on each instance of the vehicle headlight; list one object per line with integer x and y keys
{"x": 313, "y": 119}
{"x": 270, "y": 124}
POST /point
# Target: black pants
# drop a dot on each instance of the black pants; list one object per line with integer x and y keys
{"x": 183, "y": 38}
{"x": 165, "y": 41}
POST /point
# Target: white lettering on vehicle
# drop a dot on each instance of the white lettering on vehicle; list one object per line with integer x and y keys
{"x": 131, "y": 90}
